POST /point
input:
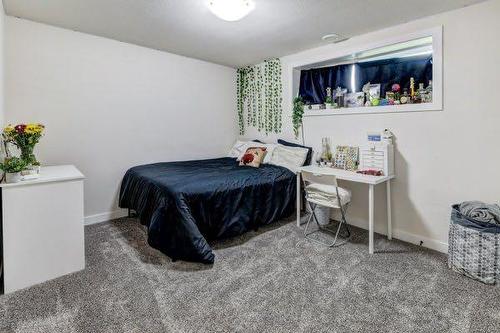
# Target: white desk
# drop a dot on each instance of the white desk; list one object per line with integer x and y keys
{"x": 358, "y": 178}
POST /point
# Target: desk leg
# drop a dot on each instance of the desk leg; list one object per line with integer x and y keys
{"x": 389, "y": 211}
{"x": 299, "y": 197}
{"x": 370, "y": 218}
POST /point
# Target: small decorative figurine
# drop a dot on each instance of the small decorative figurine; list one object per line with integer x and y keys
{"x": 339, "y": 97}
{"x": 404, "y": 98}
{"x": 396, "y": 89}
{"x": 389, "y": 95}
{"x": 329, "y": 99}
{"x": 366, "y": 91}
{"x": 421, "y": 93}
{"x": 412, "y": 88}
{"x": 428, "y": 93}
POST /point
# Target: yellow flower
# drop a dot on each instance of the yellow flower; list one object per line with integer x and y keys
{"x": 34, "y": 129}
{"x": 9, "y": 129}
{"x": 30, "y": 129}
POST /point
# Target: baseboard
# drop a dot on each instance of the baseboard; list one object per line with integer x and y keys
{"x": 430, "y": 243}
{"x": 404, "y": 236}
{"x": 103, "y": 217}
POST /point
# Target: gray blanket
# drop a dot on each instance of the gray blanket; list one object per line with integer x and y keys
{"x": 480, "y": 211}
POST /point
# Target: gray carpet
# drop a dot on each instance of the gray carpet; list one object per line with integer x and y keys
{"x": 266, "y": 281}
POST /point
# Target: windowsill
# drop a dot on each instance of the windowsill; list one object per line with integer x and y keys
{"x": 375, "y": 109}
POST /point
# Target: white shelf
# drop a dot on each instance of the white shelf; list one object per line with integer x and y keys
{"x": 374, "y": 109}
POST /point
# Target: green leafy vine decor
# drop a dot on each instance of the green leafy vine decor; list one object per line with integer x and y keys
{"x": 240, "y": 82}
{"x": 298, "y": 112}
{"x": 259, "y": 97}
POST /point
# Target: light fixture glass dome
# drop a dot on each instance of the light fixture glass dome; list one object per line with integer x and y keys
{"x": 231, "y": 10}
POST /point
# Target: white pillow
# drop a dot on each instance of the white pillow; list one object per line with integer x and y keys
{"x": 237, "y": 149}
{"x": 291, "y": 158}
{"x": 269, "y": 150}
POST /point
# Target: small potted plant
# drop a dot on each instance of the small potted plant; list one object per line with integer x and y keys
{"x": 329, "y": 102}
{"x": 12, "y": 167}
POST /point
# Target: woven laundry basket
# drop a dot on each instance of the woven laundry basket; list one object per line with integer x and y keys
{"x": 474, "y": 248}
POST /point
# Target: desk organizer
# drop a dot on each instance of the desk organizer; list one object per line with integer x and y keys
{"x": 378, "y": 157}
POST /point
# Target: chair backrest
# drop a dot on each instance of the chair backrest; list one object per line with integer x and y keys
{"x": 314, "y": 178}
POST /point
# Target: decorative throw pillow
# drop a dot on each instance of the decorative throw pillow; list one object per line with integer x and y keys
{"x": 253, "y": 157}
{"x": 268, "y": 146}
{"x": 240, "y": 147}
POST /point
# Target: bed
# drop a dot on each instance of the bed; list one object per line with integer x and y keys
{"x": 184, "y": 205}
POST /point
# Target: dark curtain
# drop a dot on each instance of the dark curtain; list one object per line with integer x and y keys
{"x": 398, "y": 70}
{"x": 313, "y": 82}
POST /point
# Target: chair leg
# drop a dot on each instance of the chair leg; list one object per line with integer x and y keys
{"x": 320, "y": 228}
{"x": 343, "y": 210}
{"x": 309, "y": 220}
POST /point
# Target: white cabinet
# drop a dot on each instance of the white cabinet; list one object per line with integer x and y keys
{"x": 378, "y": 157}
{"x": 42, "y": 227}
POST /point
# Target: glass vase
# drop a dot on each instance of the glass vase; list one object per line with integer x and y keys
{"x": 28, "y": 156}
{"x": 32, "y": 170}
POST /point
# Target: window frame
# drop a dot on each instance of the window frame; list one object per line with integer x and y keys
{"x": 437, "y": 75}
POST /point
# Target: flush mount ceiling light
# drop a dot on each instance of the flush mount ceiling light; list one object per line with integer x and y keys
{"x": 231, "y": 10}
{"x": 333, "y": 38}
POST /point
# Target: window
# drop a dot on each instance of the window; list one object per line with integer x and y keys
{"x": 392, "y": 77}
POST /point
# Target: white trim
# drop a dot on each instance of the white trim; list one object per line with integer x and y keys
{"x": 104, "y": 217}
{"x": 374, "y": 109}
{"x": 404, "y": 236}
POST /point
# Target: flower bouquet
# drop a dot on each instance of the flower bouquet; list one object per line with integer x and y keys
{"x": 25, "y": 137}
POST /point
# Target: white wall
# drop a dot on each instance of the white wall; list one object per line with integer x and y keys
{"x": 108, "y": 105}
{"x": 2, "y": 35}
{"x": 442, "y": 157}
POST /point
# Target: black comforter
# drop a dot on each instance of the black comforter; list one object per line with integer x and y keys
{"x": 184, "y": 204}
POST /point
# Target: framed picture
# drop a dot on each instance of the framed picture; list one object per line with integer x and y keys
{"x": 375, "y": 90}
{"x": 346, "y": 158}
{"x": 355, "y": 99}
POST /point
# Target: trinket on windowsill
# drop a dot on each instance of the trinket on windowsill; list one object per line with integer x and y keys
{"x": 404, "y": 98}
{"x": 428, "y": 93}
{"x": 340, "y": 97}
{"x": 412, "y": 89}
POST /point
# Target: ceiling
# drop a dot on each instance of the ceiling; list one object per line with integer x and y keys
{"x": 274, "y": 29}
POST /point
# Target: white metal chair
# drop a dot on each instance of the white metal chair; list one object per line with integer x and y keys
{"x": 323, "y": 190}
